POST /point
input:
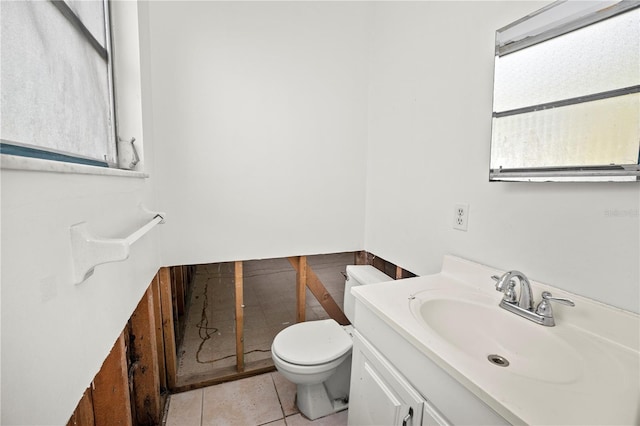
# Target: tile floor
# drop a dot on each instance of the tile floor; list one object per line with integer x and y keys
{"x": 270, "y": 301}
{"x": 267, "y": 399}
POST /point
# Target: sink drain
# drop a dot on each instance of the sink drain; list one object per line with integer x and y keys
{"x": 498, "y": 360}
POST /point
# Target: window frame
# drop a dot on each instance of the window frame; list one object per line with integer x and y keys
{"x": 539, "y": 28}
{"x": 16, "y": 156}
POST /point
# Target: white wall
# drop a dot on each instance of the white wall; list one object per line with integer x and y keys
{"x": 429, "y": 134}
{"x": 55, "y": 334}
{"x": 262, "y": 117}
{"x": 260, "y": 124}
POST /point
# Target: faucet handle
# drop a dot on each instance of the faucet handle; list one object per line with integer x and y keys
{"x": 501, "y": 283}
{"x": 510, "y": 293}
{"x": 548, "y": 296}
{"x": 544, "y": 307}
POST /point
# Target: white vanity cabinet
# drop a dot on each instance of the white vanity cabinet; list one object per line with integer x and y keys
{"x": 389, "y": 375}
{"x": 381, "y": 396}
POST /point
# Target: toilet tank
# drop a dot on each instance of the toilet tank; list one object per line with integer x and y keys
{"x": 359, "y": 275}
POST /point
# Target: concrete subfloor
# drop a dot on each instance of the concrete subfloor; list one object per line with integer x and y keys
{"x": 270, "y": 306}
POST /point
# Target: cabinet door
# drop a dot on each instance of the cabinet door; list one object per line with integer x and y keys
{"x": 432, "y": 417}
{"x": 379, "y": 395}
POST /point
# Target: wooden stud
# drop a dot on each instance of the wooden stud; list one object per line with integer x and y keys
{"x": 83, "y": 414}
{"x": 110, "y": 394}
{"x": 363, "y": 258}
{"x": 320, "y": 292}
{"x": 157, "y": 314}
{"x": 186, "y": 279}
{"x": 178, "y": 276}
{"x": 224, "y": 374}
{"x": 239, "y": 317}
{"x": 185, "y": 288}
{"x": 366, "y": 258}
{"x": 144, "y": 355}
{"x": 324, "y": 297}
{"x": 174, "y": 304}
{"x": 301, "y": 289}
{"x": 399, "y": 273}
{"x": 166, "y": 303}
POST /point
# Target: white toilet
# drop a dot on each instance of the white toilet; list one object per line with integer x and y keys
{"x": 316, "y": 355}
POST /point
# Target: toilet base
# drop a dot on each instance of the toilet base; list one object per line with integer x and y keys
{"x": 314, "y": 402}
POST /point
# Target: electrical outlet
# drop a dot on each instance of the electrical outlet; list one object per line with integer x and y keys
{"x": 461, "y": 216}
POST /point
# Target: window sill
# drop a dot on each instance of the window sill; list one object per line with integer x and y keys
{"x": 13, "y": 162}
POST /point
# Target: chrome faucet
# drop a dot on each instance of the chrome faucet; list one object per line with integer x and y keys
{"x": 506, "y": 284}
{"x": 523, "y": 305}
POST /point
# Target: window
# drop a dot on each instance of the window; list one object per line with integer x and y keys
{"x": 567, "y": 94}
{"x": 57, "y": 95}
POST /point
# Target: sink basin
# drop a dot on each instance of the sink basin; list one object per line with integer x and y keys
{"x": 476, "y": 327}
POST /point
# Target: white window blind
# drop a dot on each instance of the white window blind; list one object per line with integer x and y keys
{"x": 56, "y": 91}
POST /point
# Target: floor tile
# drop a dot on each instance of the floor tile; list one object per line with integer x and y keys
{"x": 268, "y": 399}
{"x": 247, "y": 402}
{"x": 337, "y": 419}
{"x": 185, "y": 409}
{"x": 286, "y": 393}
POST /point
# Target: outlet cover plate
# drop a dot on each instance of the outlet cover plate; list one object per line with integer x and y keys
{"x": 461, "y": 216}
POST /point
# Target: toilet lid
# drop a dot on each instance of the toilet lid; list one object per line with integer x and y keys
{"x": 312, "y": 343}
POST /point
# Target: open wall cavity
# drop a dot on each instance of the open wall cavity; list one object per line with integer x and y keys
{"x": 203, "y": 324}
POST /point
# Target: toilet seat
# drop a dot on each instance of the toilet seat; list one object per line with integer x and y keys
{"x": 312, "y": 343}
{"x": 318, "y": 370}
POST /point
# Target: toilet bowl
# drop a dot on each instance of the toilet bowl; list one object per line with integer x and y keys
{"x": 316, "y": 355}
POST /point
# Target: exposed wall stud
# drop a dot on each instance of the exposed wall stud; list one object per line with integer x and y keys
{"x": 166, "y": 304}
{"x": 399, "y": 273}
{"x": 320, "y": 292}
{"x": 157, "y": 313}
{"x": 178, "y": 276}
{"x": 301, "y": 288}
{"x": 83, "y": 415}
{"x": 239, "y": 317}
{"x": 111, "y": 399}
{"x": 145, "y": 374}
